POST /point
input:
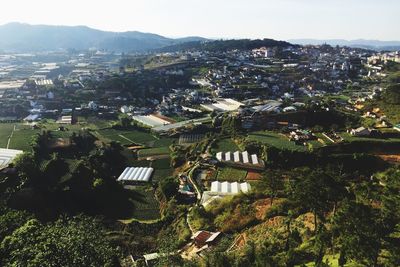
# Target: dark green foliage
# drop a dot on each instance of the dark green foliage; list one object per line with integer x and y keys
{"x": 66, "y": 242}
{"x": 169, "y": 187}
{"x": 359, "y": 232}
{"x": 392, "y": 94}
{"x": 84, "y": 141}
{"x": 225, "y": 45}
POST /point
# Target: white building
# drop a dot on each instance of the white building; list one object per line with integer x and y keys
{"x": 124, "y": 109}
{"x": 240, "y": 159}
{"x": 222, "y": 189}
{"x": 7, "y": 156}
{"x": 92, "y": 105}
{"x": 136, "y": 174}
{"x": 361, "y": 131}
{"x": 226, "y": 104}
{"x": 230, "y": 188}
{"x": 151, "y": 120}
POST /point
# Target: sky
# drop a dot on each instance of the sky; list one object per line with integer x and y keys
{"x": 277, "y": 19}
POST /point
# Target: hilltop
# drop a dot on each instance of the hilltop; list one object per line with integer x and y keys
{"x": 18, "y": 37}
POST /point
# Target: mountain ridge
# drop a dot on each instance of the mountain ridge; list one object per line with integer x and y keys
{"x": 22, "y": 37}
{"x": 359, "y": 43}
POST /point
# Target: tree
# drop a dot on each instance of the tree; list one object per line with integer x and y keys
{"x": 169, "y": 187}
{"x": 40, "y": 143}
{"x": 358, "y": 233}
{"x": 125, "y": 122}
{"x": 79, "y": 241}
{"x": 317, "y": 192}
{"x": 272, "y": 183}
{"x": 392, "y": 94}
{"x": 27, "y": 167}
{"x": 390, "y": 213}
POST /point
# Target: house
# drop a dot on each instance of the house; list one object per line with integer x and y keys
{"x": 361, "y": 131}
{"x": 93, "y": 106}
{"x": 32, "y": 117}
{"x": 205, "y": 238}
{"x": 125, "y": 109}
{"x": 302, "y": 136}
{"x": 65, "y": 120}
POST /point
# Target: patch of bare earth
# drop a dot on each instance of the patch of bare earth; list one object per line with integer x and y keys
{"x": 262, "y": 206}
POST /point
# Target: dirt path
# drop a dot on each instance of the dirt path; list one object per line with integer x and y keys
{"x": 126, "y": 138}
{"x": 9, "y": 138}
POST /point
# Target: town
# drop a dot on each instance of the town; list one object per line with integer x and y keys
{"x": 202, "y": 154}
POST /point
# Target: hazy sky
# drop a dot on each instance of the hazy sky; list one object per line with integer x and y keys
{"x": 279, "y": 19}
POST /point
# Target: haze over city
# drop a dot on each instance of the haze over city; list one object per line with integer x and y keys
{"x": 283, "y": 19}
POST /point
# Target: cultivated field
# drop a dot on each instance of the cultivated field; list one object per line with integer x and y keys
{"x": 146, "y": 207}
{"x": 231, "y": 174}
{"x": 225, "y": 145}
{"x": 276, "y": 140}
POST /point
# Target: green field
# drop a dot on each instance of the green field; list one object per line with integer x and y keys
{"x": 5, "y": 132}
{"x": 162, "y": 163}
{"x": 161, "y": 174}
{"x": 162, "y": 167}
{"x": 277, "y": 140}
{"x": 22, "y": 137}
{"x": 127, "y": 137}
{"x": 225, "y": 145}
{"x": 350, "y": 138}
{"x": 231, "y": 174}
{"x": 156, "y": 151}
{"x": 146, "y": 207}
{"x": 333, "y": 262}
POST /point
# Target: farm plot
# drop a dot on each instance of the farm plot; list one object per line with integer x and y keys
{"x": 152, "y": 152}
{"x": 162, "y": 169}
{"x": 225, "y": 145}
{"x": 146, "y": 206}
{"x": 5, "y": 132}
{"x": 186, "y": 139}
{"x": 276, "y": 140}
{"x": 231, "y": 174}
{"x": 22, "y": 137}
{"x": 127, "y": 137}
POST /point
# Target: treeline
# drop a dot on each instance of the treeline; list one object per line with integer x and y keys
{"x": 226, "y": 45}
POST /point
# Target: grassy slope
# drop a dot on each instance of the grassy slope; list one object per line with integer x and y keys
{"x": 276, "y": 140}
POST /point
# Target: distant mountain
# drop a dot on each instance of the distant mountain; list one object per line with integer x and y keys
{"x": 224, "y": 45}
{"x": 359, "y": 43}
{"x": 18, "y": 37}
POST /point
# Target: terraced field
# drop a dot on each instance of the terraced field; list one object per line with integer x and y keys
{"x": 231, "y": 174}
{"x": 128, "y": 137}
{"x": 276, "y": 140}
{"x": 146, "y": 207}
